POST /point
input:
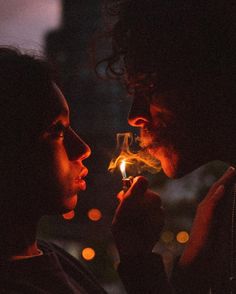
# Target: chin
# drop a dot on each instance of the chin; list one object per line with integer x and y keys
{"x": 71, "y": 202}
{"x": 68, "y": 204}
{"x": 170, "y": 161}
{"x": 176, "y": 169}
{"x": 170, "y": 170}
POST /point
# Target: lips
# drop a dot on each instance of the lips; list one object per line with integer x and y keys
{"x": 79, "y": 180}
{"x": 147, "y": 139}
{"x": 80, "y": 183}
{"x": 153, "y": 138}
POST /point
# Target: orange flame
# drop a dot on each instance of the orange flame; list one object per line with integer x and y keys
{"x": 136, "y": 161}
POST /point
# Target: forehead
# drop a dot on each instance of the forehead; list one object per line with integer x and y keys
{"x": 57, "y": 105}
{"x": 60, "y": 101}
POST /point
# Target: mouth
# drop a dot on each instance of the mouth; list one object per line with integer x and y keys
{"x": 147, "y": 140}
{"x": 79, "y": 180}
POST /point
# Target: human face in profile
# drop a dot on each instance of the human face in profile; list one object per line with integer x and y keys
{"x": 60, "y": 153}
{"x": 167, "y": 133}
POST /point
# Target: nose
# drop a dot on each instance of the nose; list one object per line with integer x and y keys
{"x": 76, "y": 148}
{"x": 139, "y": 114}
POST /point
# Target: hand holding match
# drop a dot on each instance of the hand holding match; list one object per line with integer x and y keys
{"x": 138, "y": 220}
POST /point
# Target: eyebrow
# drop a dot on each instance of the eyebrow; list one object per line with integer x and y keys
{"x": 58, "y": 115}
{"x": 61, "y": 115}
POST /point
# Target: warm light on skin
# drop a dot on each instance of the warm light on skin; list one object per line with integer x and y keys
{"x": 69, "y": 215}
{"x": 94, "y": 214}
{"x": 182, "y": 237}
{"x": 88, "y": 253}
{"x": 122, "y": 169}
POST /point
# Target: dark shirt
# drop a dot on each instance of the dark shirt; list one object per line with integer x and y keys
{"x": 217, "y": 275}
{"x": 146, "y": 275}
{"x": 55, "y": 271}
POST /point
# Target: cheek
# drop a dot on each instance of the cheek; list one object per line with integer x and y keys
{"x": 55, "y": 177}
{"x": 67, "y": 204}
{"x": 60, "y": 172}
{"x": 170, "y": 160}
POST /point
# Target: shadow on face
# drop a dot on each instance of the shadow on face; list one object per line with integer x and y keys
{"x": 41, "y": 157}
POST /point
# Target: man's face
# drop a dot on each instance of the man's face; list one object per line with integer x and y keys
{"x": 60, "y": 172}
{"x": 166, "y": 132}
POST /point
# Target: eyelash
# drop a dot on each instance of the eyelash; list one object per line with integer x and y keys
{"x": 58, "y": 130}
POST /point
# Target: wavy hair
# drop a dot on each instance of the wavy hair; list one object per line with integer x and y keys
{"x": 167, "y": 44}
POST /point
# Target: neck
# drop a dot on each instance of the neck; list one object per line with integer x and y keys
{"x": 18, "y": 239}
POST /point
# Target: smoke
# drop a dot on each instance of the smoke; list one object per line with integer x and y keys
{"x": 136, "y": 161}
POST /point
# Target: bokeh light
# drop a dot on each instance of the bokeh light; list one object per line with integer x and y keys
{"x": 88, "y": 253}
{"x": 94, "y": 214}
{"x": 182, "y": 237}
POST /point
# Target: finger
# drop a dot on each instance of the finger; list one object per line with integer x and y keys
{"x": 218, "y": 194}
{"x": 224, "y": 180}
{"x": 227, "y": 176}
{"x": 212, "y": 199}
{"x": 120, "y": 195}
{"x": 138, "y": 187}
{"x": 152, "y": 199}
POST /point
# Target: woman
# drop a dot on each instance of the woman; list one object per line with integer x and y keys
{"x": 41, "y": 162}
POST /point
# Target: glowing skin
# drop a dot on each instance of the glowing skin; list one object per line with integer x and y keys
{"x": 165, "y": 134}
{"x": 60, "y": 170}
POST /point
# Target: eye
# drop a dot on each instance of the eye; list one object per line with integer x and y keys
{"x": 57, "y": 130}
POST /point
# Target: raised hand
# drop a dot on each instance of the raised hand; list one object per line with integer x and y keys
{"x": 201, "y": 234}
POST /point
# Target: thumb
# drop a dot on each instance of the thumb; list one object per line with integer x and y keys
{"x": 139, "y": 187}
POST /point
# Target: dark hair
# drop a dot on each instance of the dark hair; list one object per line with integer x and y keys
{"x": 25, "y": 84}
{"x": 184, "y": 47}
{"x": 25, "y": 90}
{"x": 160, "y": 44}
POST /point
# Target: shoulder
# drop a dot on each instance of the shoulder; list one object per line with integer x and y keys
{"x": 71, "y": 266}
{"x": 62, "y": 255}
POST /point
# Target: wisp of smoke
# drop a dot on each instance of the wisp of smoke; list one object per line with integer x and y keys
{"x": 137, "y": 162}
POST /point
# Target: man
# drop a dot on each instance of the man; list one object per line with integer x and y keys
{"x": 178, "y": 61}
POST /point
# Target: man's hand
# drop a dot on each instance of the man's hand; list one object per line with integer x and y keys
{"x": 138, "y": 220}
{"x": 201, "y": 234}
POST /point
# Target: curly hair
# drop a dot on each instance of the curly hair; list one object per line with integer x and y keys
{"x": 159, "y": 44}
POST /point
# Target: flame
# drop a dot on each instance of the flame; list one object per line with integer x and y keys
{"x": 137, "y": 162}
{"x": 122, "y": 169}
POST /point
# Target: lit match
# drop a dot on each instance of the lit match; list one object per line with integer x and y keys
{"x": 137, "y": 161}
{"x": 122, "y": 169}
{"x": 125, "y": 181}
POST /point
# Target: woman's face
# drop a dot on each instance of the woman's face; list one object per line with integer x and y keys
{"x": 59, "y": 173}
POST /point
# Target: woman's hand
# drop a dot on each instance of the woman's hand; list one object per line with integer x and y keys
{"x": 201, "y": 236}
{"x": 138, "y": 220}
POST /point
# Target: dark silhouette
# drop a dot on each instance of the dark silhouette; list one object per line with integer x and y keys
{"x": 177, "y": 58}
{"x": 42, "y": 170}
